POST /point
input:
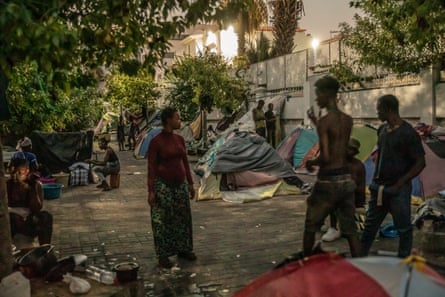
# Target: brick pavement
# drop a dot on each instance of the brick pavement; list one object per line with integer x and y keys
{"x": 234, "y": 242}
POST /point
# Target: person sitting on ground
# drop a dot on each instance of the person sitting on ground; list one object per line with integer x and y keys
{"x": 110, "y": 165}
{"x": 24, "y": 151}
{"x": 25, "y": 202}
{"x": 358, "y": 174}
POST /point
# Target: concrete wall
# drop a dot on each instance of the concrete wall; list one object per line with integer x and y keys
{"x": 294, "y": 76}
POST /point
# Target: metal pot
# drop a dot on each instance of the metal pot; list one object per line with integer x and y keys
{"x": 38, "y": 261}
{"x": 126, "y": 272}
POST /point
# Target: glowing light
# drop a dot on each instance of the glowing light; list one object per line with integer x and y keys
{"x": 229, "y": 43}
{"x": 315, "y": 43}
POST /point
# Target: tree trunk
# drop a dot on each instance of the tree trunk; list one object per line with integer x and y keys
{"x": 6, "y": 260}
{"x": 241, "y": 34}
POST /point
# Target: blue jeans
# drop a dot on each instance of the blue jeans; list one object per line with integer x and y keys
{"x": 399, "y": 206}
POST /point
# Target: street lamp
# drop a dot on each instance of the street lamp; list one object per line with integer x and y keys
{"x": 315, "y": 44}
{"x": 330, "y": 41}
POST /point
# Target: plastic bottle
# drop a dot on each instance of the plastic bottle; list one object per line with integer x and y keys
{"x": 100, "y": 275}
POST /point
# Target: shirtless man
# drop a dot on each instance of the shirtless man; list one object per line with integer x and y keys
{"x": 334, "y": 189}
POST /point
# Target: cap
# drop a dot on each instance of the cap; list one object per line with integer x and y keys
{"x": 26, "y": 142}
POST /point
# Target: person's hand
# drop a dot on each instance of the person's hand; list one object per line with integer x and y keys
{"x": 192, "y": 192}
{"x": 88, "y": 161}
{"x": 151, "y": 199}
{"x": 311, "y": 114}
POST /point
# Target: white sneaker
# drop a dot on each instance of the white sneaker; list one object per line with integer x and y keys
{"x": 331, "y": 235}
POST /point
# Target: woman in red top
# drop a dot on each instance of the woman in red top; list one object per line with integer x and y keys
{"x": 170, "y": 188}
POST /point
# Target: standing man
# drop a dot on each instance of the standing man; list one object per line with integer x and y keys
{"x": 133, "y": 133}
{"x": 270, "y": 125}
{"x": 121, "y": 133}
{"x": 334, "y": 189}
{"x": 358, "y": 174}
{"x": 259, "y": 119}
{"x": 400, "y": 158}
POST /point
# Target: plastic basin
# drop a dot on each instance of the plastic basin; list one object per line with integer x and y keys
{"x": 52, "y": 191}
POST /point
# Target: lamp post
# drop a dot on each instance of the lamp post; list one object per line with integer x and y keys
{"x": 330, "y": 41}
{"x": 315, "y": 44}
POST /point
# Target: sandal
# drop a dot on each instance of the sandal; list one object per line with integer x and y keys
{"x": 165, "y": 263}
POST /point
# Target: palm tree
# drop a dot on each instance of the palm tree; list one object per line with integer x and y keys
{"x": 249, "y": 15}
{"x": 286, "y": 15}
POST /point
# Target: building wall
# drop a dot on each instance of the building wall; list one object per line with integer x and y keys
{"x": 294, "y": 76}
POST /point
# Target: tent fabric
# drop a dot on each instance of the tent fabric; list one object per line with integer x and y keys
{"x": 249, "y": 151}
{"x": 393, "y": 276}
{"x": 186, "y": 132}
{"x": 368, "y": 140}
{"x": 304, "y": 144}
{"x": 286, "y": 148}
{"x": 58, "y": 151}
{"x": 331, "y": 275}
{"x": 242, "y": 167}
{"x": 432, "y": 177}
{"x": 143, "y": 144}
{"x": 196, "y": 127}
{"x": 246, "y": 123}
{"x": 319, "y": 276}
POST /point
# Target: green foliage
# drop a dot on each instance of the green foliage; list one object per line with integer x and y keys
{"x": 285, "y": 26}
{"x": 131, "y": 92}
{"x": 249, "y": 15}
{"x": 205, "y": 82}
{"x": 62, "y": 34}
{"x": 261, "y": 51}
{"x": 344, "y": 73}
{"x": 35, "y": 105}
{"x": 403, "y": 36}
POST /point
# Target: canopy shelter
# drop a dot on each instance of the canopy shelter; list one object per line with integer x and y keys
{"x": 331, "y": 275}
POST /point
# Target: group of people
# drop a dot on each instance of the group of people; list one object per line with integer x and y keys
{"x": 338, "y": 191}
{"x": 265, "y": 122}
{"x": 133, "y": 132}
{"x": 340, "y": 182}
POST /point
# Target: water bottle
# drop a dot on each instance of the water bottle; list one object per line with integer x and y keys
{"x": 100, "y": 275}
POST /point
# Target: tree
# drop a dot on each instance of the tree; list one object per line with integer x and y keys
{"x": 260, "y": 51}
{"x": 248, "y": 15}
{"x": 205, "y": 82}
{"x": 285, "y": 25}
{"x": 132, "y": 92}
{"x": 403, "y": 36}
{"x": 36, "y": 105}
{"x": 61, "y": 35}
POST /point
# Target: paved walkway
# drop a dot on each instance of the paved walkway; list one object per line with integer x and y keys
{"x": 234, "y": 243}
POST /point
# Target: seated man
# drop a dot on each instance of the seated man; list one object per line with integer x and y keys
{"x": 25, "y": 202}
{"x": 110, "y": 164}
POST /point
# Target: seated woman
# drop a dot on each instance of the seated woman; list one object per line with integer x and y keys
{"x": 25, "y": 202}
{"x": 110, "y": 165}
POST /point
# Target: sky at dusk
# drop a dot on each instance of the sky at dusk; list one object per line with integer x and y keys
{"x": 323, "y": 16}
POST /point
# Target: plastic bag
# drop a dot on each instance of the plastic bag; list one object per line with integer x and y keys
{"x": 77, "y": 284}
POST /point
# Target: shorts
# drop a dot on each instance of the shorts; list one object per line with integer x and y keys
{"x": 333, "y": 194}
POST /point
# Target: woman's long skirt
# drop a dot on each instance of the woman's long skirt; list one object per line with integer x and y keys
{"x": 171, "y": 220}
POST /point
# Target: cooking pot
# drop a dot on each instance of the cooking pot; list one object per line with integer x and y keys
{"x": 38, "y": 261}
{"x": 126, "y": 272}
